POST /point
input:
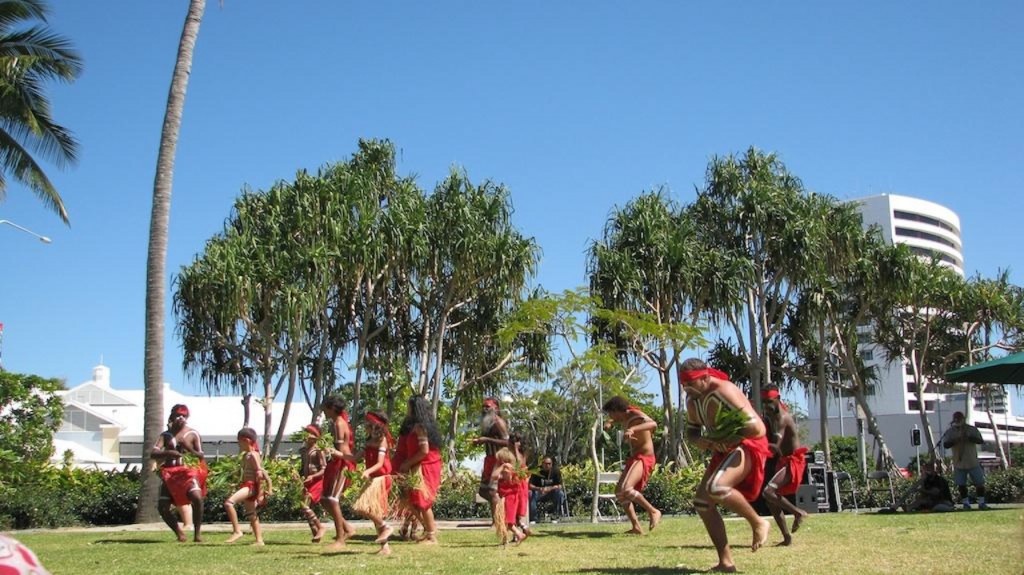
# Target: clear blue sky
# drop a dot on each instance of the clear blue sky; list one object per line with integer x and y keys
{"x": 576, "y": 106}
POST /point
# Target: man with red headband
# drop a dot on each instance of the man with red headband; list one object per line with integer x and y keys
{"x": 637, "y": 429}
{"x": 790, "y": 461}
{"x": 734, "y": 475}
{"x": 493, "y": 436}
{"x": 182, "y": 484}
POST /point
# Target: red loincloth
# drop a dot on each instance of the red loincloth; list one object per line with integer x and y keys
{"x": 489, "y": 462}
{"x": 314, "y": 488}
{"x": 796, "y": 462}
{"x": 335, "y": 473}
{"x": 180, "y": 480}
{"x": 756, "y": 451}
{"x": 647, "y": 463}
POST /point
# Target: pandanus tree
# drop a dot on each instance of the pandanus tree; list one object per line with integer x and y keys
{"x": 31, "y": 55}
{"x": 991, "y": 314}
{"x": 466, "y": 252}
{"x": 754, "y": 213}
{"x": 915, "y": 322}
{"x": 644, "y": 263}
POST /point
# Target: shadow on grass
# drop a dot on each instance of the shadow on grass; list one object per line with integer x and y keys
{"x": 127, "y": 541}
{"x": 579, "y": 534}
{"x": 645, "y": 570}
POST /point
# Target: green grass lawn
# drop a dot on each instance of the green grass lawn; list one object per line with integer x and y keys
{"x": 964, "y": 542}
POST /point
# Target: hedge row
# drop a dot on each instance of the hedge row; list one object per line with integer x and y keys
{"x": 64, "y": 497}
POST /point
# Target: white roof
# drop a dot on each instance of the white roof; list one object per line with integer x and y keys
{"x": 211, "y": 416}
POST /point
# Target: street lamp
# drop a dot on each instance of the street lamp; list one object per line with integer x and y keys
{"x": 43, "y": 239}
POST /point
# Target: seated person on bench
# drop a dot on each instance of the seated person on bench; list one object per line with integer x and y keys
{"x": 546, "y": 485}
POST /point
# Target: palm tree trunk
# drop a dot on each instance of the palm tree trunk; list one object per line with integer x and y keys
{"x": 156, "y": 277}
{"x": 823, "y": 395}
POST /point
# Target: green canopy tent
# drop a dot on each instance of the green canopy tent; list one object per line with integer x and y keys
{"x": 1007, "y": 370}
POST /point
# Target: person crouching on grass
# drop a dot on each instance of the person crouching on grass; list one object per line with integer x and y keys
{"x": 249, "y": 491}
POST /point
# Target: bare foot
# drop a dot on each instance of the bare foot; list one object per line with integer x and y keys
{"x": 320, "y": 532}
{"x": 655, "y": 520}
{"x": 197, "y": 539}
{"x": 338, "y": 545}
{"x": 182, "y": 538}
{"x": 720, "y": 568}
{"x": 234, "y": 537}
{"x": 384, "y": 534}
{"x": 385, "y": 549}
{"x": 520, "y": 536}
{"x": 760, "y": 535}
{"x": 799, "y": 520}
{"x": 634, "y": 531}
{"x": 427, "y": 539}
{"x": 258, "y": 543}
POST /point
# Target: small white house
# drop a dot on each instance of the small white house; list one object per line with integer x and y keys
{"x": 103, "y": 426}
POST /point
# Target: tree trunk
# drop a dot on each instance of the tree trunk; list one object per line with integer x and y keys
{"x": 823, "y": 396}
{"x": 889, "y": 462}
{"x": 597, "y": 467}
{"x": 156, "y": 276}
{"x": 995, "y": 430}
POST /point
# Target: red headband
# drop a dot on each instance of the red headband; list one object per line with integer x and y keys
{"x": 490, "y": 401}
{"x": 312, "y": 430}
{"x": 371, "y": 418}
{"x": 770, "y": 394}
{"x": 688, "y": 375}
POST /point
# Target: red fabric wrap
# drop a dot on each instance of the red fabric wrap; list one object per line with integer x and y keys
{"x": 796, "y": 462}
{"x": 254, "y": 489}
{"x": 647, "y": 464}
{"x": 180, "y": 479}
{"x": 512, "y": 492}
{"x": 489, "y": 462}
{"x": 314, "y": 488}
{"x": 430, "y": 466}
{"x": 372, "y": 455}
{"x": 755, "y": 449}
{"x": 524, "y": 494}
{"x": 770, "y": 394}
{"x": 334, "y": 473}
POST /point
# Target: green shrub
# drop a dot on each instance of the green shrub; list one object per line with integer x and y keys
{"x": 456, "y": 497}
{"x": 1004, "y": 486}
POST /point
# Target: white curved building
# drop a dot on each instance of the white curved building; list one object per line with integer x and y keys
{"x": 926, "y": 227}
{"x": 930, "y": 230}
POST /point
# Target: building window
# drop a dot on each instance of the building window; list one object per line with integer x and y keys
{"x": 929, "y": 405}
{"x": 908, "y": 369}
{"x": 912, "y": 217}
{"x": 913, "y": 405}
{"x": 864, "y": 337}
{"x": 927, "y": 253}
{"x": 867, "y": 354}
{"x": 911, "y": 386}
{"x": 909, "y": 233}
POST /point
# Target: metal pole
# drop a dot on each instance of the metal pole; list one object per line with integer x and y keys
{"x": 43, "y": 239}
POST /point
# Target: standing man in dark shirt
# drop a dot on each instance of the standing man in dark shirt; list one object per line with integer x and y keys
{"x": 546, "y": 485}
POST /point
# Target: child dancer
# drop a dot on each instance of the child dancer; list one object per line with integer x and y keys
{"x": 506, "y": 475}
{"x": 249, "y": 491}
{"x": 313, "y": 464}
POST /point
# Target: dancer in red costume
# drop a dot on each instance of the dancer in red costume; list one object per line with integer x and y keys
{"x": 339, "y": 460}
{"x": 252, "y": 491}
{"x": 312, "y": 465}
{"x": 736, "y": 471}
{"x": 789, "y": 466}
{"x": 637, "y": 428}
{"x": 420, "y": 443}
{"x": 378, "y": 464}
{"x": 182, "y": 484}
